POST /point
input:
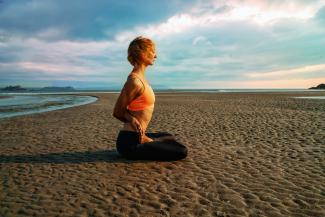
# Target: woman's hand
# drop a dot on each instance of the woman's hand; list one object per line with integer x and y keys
{"x": 136, "y": 125}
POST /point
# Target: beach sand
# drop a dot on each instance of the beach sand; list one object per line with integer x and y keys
{"x": 250, "y": 154}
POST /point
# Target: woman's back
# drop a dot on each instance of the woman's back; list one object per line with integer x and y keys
{"x": 142, "y": 106}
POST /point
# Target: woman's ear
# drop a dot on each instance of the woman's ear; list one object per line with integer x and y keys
{"x": 142, "y": 57}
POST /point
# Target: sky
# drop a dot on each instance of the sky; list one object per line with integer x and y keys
{"x": 202, "y": 44}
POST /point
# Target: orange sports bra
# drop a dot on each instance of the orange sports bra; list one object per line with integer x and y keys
{"x": 145, "y": 100}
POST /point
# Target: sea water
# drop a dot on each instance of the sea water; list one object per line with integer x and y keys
{"x": 22, "y": 104}
{"x": 310, "y": 97}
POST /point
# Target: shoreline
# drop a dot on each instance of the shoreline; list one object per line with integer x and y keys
{"x": 49, "y": 104}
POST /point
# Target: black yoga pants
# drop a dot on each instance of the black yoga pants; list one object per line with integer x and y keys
{"x": 167, "y": 148}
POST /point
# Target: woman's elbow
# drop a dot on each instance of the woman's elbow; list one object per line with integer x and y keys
{"x": 116, "y": 114}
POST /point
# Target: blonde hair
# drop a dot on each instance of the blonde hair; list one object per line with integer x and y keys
{"x": 137, "y": 46}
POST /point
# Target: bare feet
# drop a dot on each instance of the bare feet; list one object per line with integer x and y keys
{"x": 146, "y": 139}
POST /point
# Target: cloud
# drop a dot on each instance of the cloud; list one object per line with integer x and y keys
{"x": 257, "y": 12}
{"x": 288, "y": 72}
{"x": 320, "y": 16}
{"x": 257, "y": 84}
{"x": 51, "y": 34}
{"x": 52, "y": 68}
{"x": 201, "y": 40}
{"x": 63, "y": 60}
{"x": 99, "y": 19}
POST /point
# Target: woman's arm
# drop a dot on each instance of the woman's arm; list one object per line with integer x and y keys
{"x": 132, "y": 89}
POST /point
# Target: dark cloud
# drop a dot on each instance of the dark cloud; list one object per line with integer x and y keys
{"x": 87, "y": 19}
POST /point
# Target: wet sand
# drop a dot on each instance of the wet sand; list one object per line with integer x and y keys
{"x": 250, "y": 154}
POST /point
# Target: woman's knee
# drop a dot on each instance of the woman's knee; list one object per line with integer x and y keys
{"x": 183, "y": 152}
{"x": 179, "y": 148}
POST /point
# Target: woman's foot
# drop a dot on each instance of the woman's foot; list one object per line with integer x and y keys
{"x": 146, "y": 139}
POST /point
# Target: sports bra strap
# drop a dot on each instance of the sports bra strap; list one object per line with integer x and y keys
{"x": 144, "y": 86}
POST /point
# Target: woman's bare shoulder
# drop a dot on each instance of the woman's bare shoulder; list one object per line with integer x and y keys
{"x": 133, "y": 82}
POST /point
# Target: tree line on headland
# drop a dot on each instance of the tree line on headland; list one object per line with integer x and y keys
{"x": 320, "y": 86}
{"x": 52, "y": 88}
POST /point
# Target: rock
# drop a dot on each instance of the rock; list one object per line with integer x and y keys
{"x": 320, "y": 86}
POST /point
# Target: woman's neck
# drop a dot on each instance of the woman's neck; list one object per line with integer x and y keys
{"x": 139, "y": 69}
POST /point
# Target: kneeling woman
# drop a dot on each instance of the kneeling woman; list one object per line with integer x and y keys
{"x": 135, "y": 106}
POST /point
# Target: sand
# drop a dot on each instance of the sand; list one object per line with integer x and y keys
{"x": 250, "y": 154}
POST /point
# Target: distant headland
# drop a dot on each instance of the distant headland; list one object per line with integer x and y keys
{"x": 320, "y": 86}
{"x": 50, "y": 88}
{"x": 13, "y": 88}
{"x": 53, "y": 88}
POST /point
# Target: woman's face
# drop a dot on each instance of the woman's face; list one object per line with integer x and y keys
{"x": 150, "y": 56}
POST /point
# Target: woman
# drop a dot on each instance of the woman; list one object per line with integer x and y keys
{"x": 134, "y": 108}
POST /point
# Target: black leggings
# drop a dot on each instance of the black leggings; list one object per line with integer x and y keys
{"x": 167, "y": 148}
